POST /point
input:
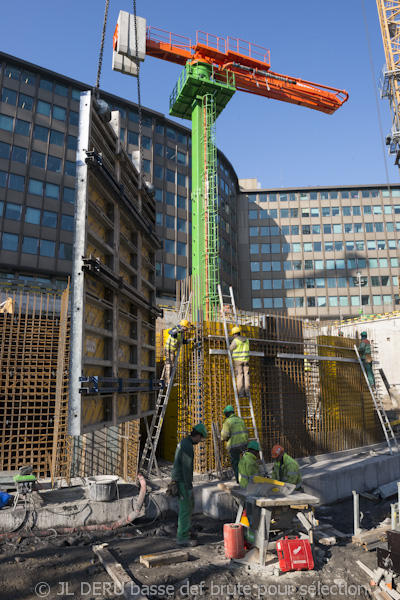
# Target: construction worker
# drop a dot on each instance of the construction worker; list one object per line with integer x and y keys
{"x": 285, "y": 467}
{"x": 174, "y": 340}
{"x": 182, "y": 473}
{"x": 234, "y": 431}
{"x": 248, "y": 466}
{"x": 364, "y": 350}
{"x": 239, "y": 349}
{"x": 340, "y": 333}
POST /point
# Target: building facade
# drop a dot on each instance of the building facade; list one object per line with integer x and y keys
{"x": 39, "y": 116}
{"x": 304, "y": 251}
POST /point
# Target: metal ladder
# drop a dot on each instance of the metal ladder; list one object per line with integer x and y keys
{"x": 377, "y": 400}
{"x": 244, "y": 411}
{"x": 148, "y": 457}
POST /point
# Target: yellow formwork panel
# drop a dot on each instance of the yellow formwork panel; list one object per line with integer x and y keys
{"x": 93, "y": 250}
{"x": 95, "y": 316}
{"x": 98, "y": 200}
{"x": 125, "y": 255}
{"x": 125, "y": 229}
{"x": 124, "y": 327}
{"x": 123, "y": 406}
{"x": 124, "y": 352}
{"x": 97, "y": 228}
{"x": 95, "y": 287}
{"x": 94, "y": 346}
{"x": 94, "y": 410}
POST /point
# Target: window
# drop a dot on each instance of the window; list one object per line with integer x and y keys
{"x": 19, "y": 154}
{"x": 52, "y": 191}
{"x": 308, "y": 265}
{"x": 13, "y": 211}
{"x": 35, "y": 187}
{"x": 171, "y": 133}
{"x": 275, "y": 248}
{"x": 146, "y": 142}
{"x": 298, "y": 284}
{"x": 326, "y": 211}
{"x": 295, "y": 229}
{"x": 16, "y": 182}
{"x": 25, "y": 102}
{"x": 315, "y": 212}
{"x": 181, "y": 249}
{"x": 182, "y": 138}
{"x": 49, "y": 219}
{"x": 310, "y": 302}
{"x": 387, "y": 299}
{"x": 348, "y": 228}
{"x": 340, "y": 264}
{"x": 328, "y": 246}
{"x": 6, "y": 122}
{"x": 321, "y": 300}
{"x": 181, "y": 158}
{"x": 254, "y": 266}
{"x": 169, "y": 271}
{"x": 10, "y": 242}
{"x": 299, "y": 302}
{"x": 306, "y": 229}
{"x": 320, "y": 282}
{"x": 38, "y": 159}
{"x": 181, "y": 225}
{"x": 67, "y": 222}
{"x": 47, "y": 248}
{"x": 360, "y": 245}
{"x": 70, "y": 168}
{"x": 330, "y": 264}
{"x": 158, "y": 172}
{"x": 369, "y": 227}
{"x": 61, "y": 90}
{"x": 357, "y": 211}
{"x": 335, "y": 211}
{"x": 40, "y": 133}
{"x": 72, "y": 142}
{"x": 254, "y": 248}
{"x": 9, "y": 96}
{"x": 69, "y": 195}
{"x": 305, "y": 212}
{"x": 376, "y": 300}
{"x": 180, "y": 272}
{"x": 65, "y": 251}
{"x": 333, "y": 301}
{"x": 267, "y": 284}
{"x": 373, "y": 263}
{"x": 73, "y": 118}
{"x": 268, "y": 303}
{"x": 296, "y": 248}
{"x": 287, "y": 265}
{"x": 394, "y": 262}
{"x": 54, "y": 164}
{"x": 169, "y": 222}
{"x": 133, "y": 138}
{"x": 288, "y": 284}
{"x": 169, "y": 246}
{"x": 310, "y": 282}
{"x": 307, "y": 247}
{"x": 256, "y": 302}
{"x": 331, "y": 282}
{"x": 316, "y": 229}
{"x": 337, "y": 228}
{"x": 346, "y": 211}
{"x": 12, "y": 72}
{"x": 297, "y": 265}
{"x": 181, "y": 179}
{"x": 278, "y": 302}
{"x": 56, "y": 137}
{"x": 30, "y": 245}
{"x": 159, "y": 218}
{"x": 5, "y": 150}
{"x": 377, "y": 210}
{"x": 46, "y": 84}
{"x": 32, "y": 215}
{"x": 181, "y": 202}
{"x": 21, "y": 127}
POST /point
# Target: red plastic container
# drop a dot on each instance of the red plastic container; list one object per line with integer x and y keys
{"x": 234, "y": 540}
{"x": 294, "y": 555}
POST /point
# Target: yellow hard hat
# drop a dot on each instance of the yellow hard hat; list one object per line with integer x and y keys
{"x": 184, "y": 323}
{"x": 235, "y": 330}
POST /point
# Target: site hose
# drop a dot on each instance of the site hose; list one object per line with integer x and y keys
{"x": 69, "y": 530}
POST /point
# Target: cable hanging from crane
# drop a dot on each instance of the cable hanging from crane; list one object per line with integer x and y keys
{"x": 103, "y": 37}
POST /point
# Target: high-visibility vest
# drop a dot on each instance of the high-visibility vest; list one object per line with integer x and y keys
{"x": 288, "y": 470}
{"x": 241, "y": 352}
{"x": 248, "y": 467}
{"x": 235, "y": 431}
{"x": 307, "y": 365}
{"x": 172, "y": 344}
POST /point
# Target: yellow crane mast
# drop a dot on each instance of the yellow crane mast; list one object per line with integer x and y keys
{"x": 389, "y": 19}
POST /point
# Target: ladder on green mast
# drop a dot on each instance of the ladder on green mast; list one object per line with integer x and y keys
{"x": 245, "y": 409}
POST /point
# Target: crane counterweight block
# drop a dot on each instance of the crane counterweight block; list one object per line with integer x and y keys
{"x": 129, "y": 43}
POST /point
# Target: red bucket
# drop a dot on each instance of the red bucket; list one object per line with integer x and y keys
{"x": 234, "y": 540}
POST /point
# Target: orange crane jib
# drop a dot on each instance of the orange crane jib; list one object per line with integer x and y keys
{"x": 249, "y": 63}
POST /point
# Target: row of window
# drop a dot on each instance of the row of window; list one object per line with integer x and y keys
{"x": 33, "y": 245}
{"x": 321, "y": 282}
{"x": 322, "y": 301}
{"x": 170, "y": 271}
{"x": 173, "y": 247}
{"x": 339, "y": 263}
{"x": 17, "y": 74}
{"x": 43, "y": 134}
{"x": 325, "y": 195}
{"x": 35, "y": 216}
{"x": 351, "y": 246}
{"x": 26, "y": 102}
{"x": 338, "y": 228}
{"x": 172, "y": 199}
{"x": 36, "y": 187}
{"x": 168, "y": 152}
{"x": 38, "y": 159}
{"x": 173, "y": 223}
{"x": 325, "y": 211}
{"x": 170, "y": 175}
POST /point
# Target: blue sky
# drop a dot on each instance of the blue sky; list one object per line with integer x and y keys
{"x": 278, "y": 143}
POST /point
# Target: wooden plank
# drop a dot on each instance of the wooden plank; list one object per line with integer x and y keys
{"x": 118, "y": 573}
{"x": 168, "y": 557}
{"x": 373, "y": 535}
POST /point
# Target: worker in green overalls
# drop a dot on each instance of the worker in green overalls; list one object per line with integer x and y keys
{"x": 240, "y": 350}
{"x": 364, "y": 350}
{"x": 182, "y": 473}
{"x": 285, "y": 467}
{"x": 176, "y": 337}
{"x": 234, "y": 431}
{"x": 248, "y": 465}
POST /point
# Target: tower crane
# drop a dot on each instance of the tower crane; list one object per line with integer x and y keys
{"x": 389, "y": 20}
{"x": 214, "y": 69}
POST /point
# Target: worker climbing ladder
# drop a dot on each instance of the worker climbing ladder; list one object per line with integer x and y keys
{"x": 148, "y": 457}
{"x": 377, "y": 400}
{"x": 245, "y": 408}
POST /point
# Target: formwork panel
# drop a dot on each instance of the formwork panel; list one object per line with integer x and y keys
{"x": 114, "y": 234}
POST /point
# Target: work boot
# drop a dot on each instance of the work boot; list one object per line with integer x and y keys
{"x": 187, "y": 543}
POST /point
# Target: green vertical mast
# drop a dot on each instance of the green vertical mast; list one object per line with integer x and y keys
{"x": 200, "y": 97}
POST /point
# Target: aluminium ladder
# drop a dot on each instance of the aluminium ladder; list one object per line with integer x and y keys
{"x": 377, "y": 400}
{"x": 148, "y": 457}
{"x": 245, "y": 411}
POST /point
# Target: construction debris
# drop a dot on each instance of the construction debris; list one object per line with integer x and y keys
{"x": 167, "y": 557}
{"x": 369, "y": 538}
{"x": 118, "y": 573}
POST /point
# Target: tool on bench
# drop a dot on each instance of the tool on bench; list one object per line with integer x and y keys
{"x": 263, "y": 486}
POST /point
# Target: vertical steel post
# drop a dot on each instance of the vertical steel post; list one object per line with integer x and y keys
{"x": 356, "y": 509}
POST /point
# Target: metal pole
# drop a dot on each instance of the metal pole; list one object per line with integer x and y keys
{"x": 356, "y": 509}
{"x": 393, "y": 515}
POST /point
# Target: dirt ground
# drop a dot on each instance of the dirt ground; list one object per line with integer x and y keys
{"x": 65, "y": 567}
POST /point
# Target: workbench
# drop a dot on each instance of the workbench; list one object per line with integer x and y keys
{"x": 273, "y": 514}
